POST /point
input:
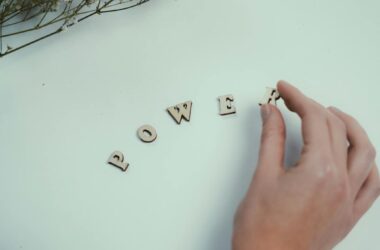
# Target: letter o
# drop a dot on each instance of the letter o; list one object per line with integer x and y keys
{"x": 147, "y": 133}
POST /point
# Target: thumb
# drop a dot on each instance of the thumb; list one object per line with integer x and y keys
{"x": 272, "y": 148}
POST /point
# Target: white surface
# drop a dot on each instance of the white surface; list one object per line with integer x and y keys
{"x": 68, "y": 102}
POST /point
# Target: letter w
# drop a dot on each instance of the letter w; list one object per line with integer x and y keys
{"x": 181, "y": 111}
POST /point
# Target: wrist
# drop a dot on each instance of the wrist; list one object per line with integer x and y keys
{"x": 267, "y": 241}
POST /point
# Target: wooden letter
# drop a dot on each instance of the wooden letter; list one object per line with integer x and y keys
{"x": 271, "y": 96}
{"x": 225, "y": 105}
{"x": 116, "y": 159}
{"x": 179, "y": 111}
{"x": 147, "y": 133}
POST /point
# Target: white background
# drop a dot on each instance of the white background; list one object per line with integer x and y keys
{"x": 67, "y": 102}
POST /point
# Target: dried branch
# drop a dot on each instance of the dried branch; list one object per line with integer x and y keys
{"x": 45, "y": 18}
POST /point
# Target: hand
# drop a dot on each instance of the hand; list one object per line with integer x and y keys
{"x": 314, "y": 204}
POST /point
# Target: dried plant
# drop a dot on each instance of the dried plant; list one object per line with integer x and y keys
{"x": 25, "y": 22}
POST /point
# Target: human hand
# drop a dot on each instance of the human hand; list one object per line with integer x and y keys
{"x": 314, "y": 204}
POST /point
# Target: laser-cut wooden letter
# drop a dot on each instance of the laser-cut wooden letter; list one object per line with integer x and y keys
{"x": 147, "y": 133}
{"x": 225, "y": 105}
{"x": 117, "y": 159}
{"x": 271, "y": 96}
{"x": 180, "y": 111}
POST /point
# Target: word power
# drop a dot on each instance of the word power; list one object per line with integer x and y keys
{"x": 182, "y": 111}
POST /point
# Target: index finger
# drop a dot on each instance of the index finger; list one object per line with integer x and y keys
{"x": 315, "y": 131}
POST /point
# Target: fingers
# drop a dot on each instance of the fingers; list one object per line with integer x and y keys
{"x": 367, "y": 195}
{"x": 271, "y": 156}
{"x": 338, "y": 138}
{"x": 313, "y": 116}
{"x": 361, "y": 153}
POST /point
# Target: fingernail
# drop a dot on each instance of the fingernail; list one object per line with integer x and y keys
{"x": 335, "y": 109}
{"x": 283, "y": 82}
{"x": 265, "y": 112}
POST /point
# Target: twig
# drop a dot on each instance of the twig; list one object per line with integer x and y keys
{"x": 72, "y": 12}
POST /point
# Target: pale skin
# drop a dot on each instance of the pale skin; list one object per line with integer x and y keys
{"x": 314, "y": 204}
